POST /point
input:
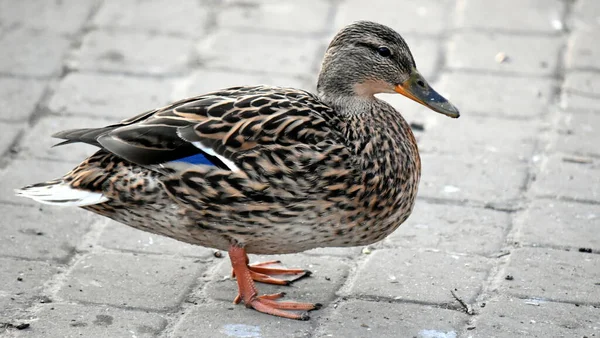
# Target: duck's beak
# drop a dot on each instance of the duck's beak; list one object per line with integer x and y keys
{"x": 417, "y": 89}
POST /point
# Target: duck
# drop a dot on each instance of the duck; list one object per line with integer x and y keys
{"x": 263, "y": 169}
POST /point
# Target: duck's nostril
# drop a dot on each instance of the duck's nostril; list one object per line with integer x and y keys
{"x": 421, "y": 83}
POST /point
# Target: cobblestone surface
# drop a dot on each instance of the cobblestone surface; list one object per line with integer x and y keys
{"x": 507, "y": 218}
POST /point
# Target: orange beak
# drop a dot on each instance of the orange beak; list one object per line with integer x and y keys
{"x": 417, "y": 89}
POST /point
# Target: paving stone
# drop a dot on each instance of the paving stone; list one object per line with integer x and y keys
{"x": 419, "y": 276}
{"x": 585, "y": 15}
{"x": 327, "y": 277}
{"x": 227, "y": 320}
{"x": 228, "y": 50}
{"x": 554, "y": 275}
{"x": 19, "y": 97}
{"x": 509, "y": 317}
{"x": 499, "y": 96}
{"x": 478, "y": 51}
{"x": 38, "y": 141}
{"x": 42, "y": 232}
{"x": 154, "y": 16}
{"x": 404, "y": 16}
{"x": 121, "y": 237}
{"x": 283, "y": 15}
{"x": 72, "y": 320}
{"x": 22, "y": 172}
{"x": 478, "y": 177}
{"x": 8, "y": 133}
{"x": 583, "y": 51}
{"x": 357, "y": 318}
{"x": 579, "y": 133}
{"x": 32, "y": 52}
{"x": 109, "y": 96}
{"x": 138, "y": 281}
{"x": 568, "y": 176}
{"x": 452, "y": 228}
{"x": 560, "y": 224}
{"x": 64, "y": 16}
{"x": 513, "y": 15}
{"x": 21, "y": 282}
{"x": 114, "y": 52}
{"x": 581, "y": 91}
{"x": 351, "y": 252}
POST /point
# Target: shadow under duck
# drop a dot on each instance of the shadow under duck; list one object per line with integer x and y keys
{"x": 265, "y": 170}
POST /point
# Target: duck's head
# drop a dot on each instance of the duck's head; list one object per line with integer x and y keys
{"x": 367, "y": 58}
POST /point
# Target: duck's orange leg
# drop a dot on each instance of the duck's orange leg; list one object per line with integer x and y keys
{"x": 261, "y": 273}
{"x": 266, "y": 304}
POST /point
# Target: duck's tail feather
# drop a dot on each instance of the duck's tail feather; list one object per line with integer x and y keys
{"x": 58, "y": 192}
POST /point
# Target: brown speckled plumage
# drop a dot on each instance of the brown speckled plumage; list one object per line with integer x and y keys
{"x": 291, "y": 170}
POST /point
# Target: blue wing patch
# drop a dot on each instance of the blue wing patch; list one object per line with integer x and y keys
{"x": 197, "y": 159}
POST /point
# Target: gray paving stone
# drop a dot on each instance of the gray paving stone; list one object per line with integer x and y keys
{"x": 509, "y": 317}
{"x": 121, "y": 237}
{"x": 513, "y": 15}
{"x": 21, "y": 282}
{"x": 327, "y": 277}
{"x": 227, "y": 320}
{"x": 377, "y": 319}
{"x": 452, "y": 228}
{"x": 583, "y": 51}
{"x": 405, "y": 16}
{"x": 581, "y": 91}
{"x": 560, "y": 224}
{"x": 65, "y": 16}
{"x": 563, "y": 176}
{"x": 579, "y": 133}
{"x": 479, "y": 177}
{"x": 585, "y": 15}
{"x": 72, "y": 320}
{"x": 42, "y": 232}
{"x": 19, "y": 97}
{"x": 109, "y": 96}
{"x": 38, "y": 141}
{"x": 8, "y": 133}
{"x": 138, "y": 281}
{"x": 285, "y": 16}
{"x": 228, "y": 50}
{"x": 114, "y": 52}
{"x": 32, "y": 52}
{"x": 499, "y": 96}
{"x": 419, "y": 276}
{"x": 553, "y": 275}
{"x": 478, "y": 51}
{"x": 154, "y": 16}
{"x": 22, "y": 172}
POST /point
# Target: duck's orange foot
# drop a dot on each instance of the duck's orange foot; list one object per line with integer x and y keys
{"x": 267, "y": 304}
{"x": 260, "y": 272}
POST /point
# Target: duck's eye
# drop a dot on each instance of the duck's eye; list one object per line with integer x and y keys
{"x": 384, "y": 51}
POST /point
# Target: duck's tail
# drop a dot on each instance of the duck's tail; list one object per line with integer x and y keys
{"x": 59, "y": 192}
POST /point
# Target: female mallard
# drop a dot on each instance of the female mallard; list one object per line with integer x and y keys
{"x": 265, "y": 170}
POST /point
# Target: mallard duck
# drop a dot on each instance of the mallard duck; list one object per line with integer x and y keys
{"x": 265, "y": 170}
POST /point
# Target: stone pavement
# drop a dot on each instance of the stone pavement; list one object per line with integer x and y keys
{"x": 508, "y": 218}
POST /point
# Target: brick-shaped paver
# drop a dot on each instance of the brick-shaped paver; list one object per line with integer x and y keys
{"x": 584, "y": 15}
{"x": 540, "y": 16}
{"x": 130, "y": 280}
{"x": 228, "y": 50}
{"x": 280, "y": 16}
{"x": 72, "y": 320}
{"x": 518, "y": 58}
{"x": 583, "y": 52}
{"x": 566, "y": 276}
{"x": 568, "y": 176}
{"x": 512, "y": 317}
{"x": 452, "y": 228}
{"x": 405, "y": 16}
{"x": 8, "y": 133}
{"x": 19, "y": 97}
{"x": 32, "y": 52}
{"x": 560, "y": 224}
{"x": 581, "y": 91}
{"x": 327, "y": 277}
{"x": 65, "y": 16}
{"x": 21, "y": 282}
{"x": 357, "y": 318}
{"x": 109, "y": 96}
{"x": 578, "y": 133}
{"x": 42, "y": 232}
{"x": 121, "y": 237}
{"x": 154, "y": 16}
{"x": 113, "y": 51}
{"x": 419, "y": 276}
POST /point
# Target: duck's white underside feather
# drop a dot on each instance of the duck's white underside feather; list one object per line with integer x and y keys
{"x": 61, "y": 194}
